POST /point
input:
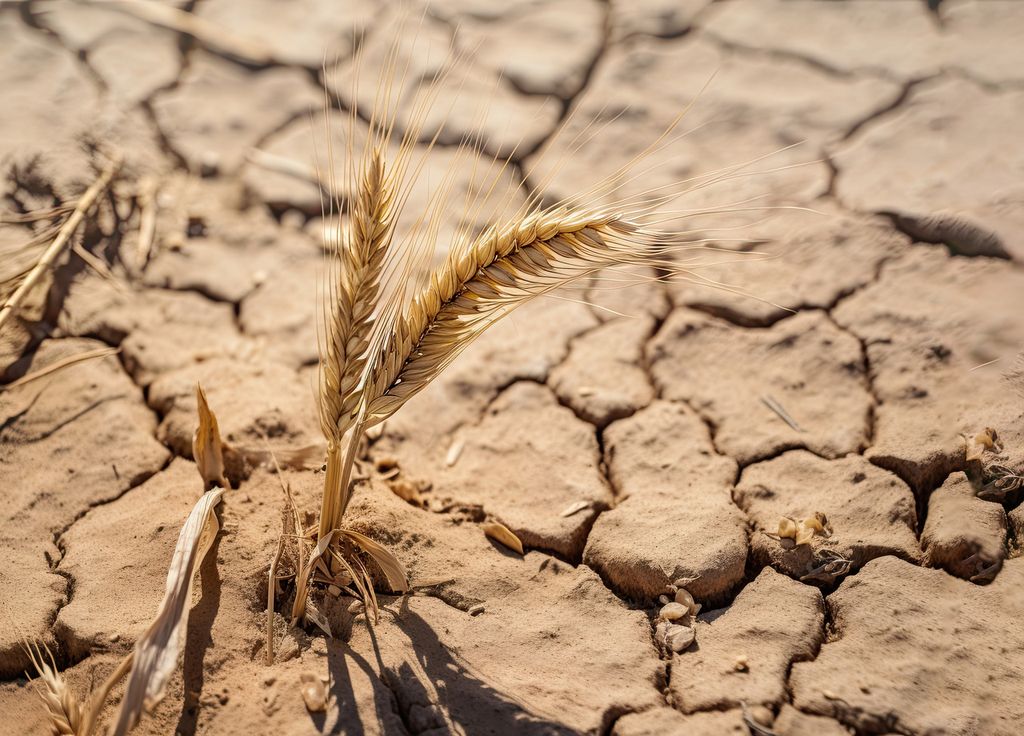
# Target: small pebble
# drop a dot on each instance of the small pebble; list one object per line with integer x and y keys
{"x": 334, "y": 590}
{"x": 677, "y": 638}
{"x": 684, "y": 598}
{"x": 761, "y": 715}
{"x": 355, "y": 608}
{"x": 454, "y": 451}
{"x": 740, "y": 665}
{"x": 664, "y": 600}
{"x": 673, "y": 611}
{"x": 384, "y": 463}
{"x": 476, "y": 610}
{"x": 314, "y": 693}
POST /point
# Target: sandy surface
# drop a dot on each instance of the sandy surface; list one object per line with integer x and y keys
{"x": 644, "y": 436}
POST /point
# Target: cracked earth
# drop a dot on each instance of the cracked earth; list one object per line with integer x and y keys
{"x": 629, "y": 437}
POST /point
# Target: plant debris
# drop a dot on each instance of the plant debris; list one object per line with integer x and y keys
{"x": 501, "y": 534}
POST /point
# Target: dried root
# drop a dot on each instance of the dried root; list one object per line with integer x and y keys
{"x": 827, "y": 566}
{"x": 992, "y": 478}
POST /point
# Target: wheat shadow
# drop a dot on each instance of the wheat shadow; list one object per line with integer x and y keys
{"x": 436, "y": 691}
{"x": 198, "y": 640}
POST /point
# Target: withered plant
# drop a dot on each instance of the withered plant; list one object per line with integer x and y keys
{"x": 391, "y": 324}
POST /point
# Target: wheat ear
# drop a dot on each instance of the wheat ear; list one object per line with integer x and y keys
{"x": 500, "y": 270}
{"x": 62, "y": 705}
{"x": 359, "y": 262}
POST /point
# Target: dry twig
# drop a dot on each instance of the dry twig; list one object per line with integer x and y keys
{"x": 62, "y": 239}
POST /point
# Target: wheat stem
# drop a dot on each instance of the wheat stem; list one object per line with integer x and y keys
{"x": 359, "y": 262}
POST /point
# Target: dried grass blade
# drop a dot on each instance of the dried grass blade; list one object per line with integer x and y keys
{"x": 59, "y": 364}
{"x": 63, "y": 238}
{"x": 302, "y": 576}
{"x": 148, "y": 203}
{"x": 207, "y": 33}
{"x": 207, "y": 447}
{"x": 271, "y": 584}
{"x": 393, "y": 570}
{"x": 156, "y": 652}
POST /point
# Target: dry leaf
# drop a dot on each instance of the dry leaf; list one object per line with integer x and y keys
{"x": 501, "y": 534}
{"x": 393, "y": 570}
{"x": 984, "y": 441}
{"x": 156, "y": 651}
{"x": 987, "y": 438}
{"x": 206, "y": 445}
{"x": 819, "y": 523}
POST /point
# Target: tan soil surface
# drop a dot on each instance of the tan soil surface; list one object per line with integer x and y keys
{"x": 633, "y": 438}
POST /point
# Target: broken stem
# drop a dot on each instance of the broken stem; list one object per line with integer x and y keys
{"x": 271, "y": 585}
{"x": 62, "y": 239}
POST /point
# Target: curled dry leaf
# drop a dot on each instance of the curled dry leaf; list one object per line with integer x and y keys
{"x": 393, "y": 570}
{"x": 818, "y": 523}
{"x": 826, "y": 567}
{"x": 207, "y": 447}
{"x": 501, "y": 534}
{"x": 407, "y": 491}
{"x": 804, "y": 536}
{"x": 156, "y": 651}
{"x": 987, "y": 440}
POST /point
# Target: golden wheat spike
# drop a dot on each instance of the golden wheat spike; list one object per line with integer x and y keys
{"x": 500, "y": 270}
{"x": 360, "y": 256}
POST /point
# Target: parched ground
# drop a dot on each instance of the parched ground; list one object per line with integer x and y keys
{"x": 629, "y": 438}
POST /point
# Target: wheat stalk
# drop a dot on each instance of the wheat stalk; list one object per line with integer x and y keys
{"x": 359, "y": 260}
{"x": 379, "y": 352}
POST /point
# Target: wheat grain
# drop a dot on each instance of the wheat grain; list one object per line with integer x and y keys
{"x": 503, "y": 535}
